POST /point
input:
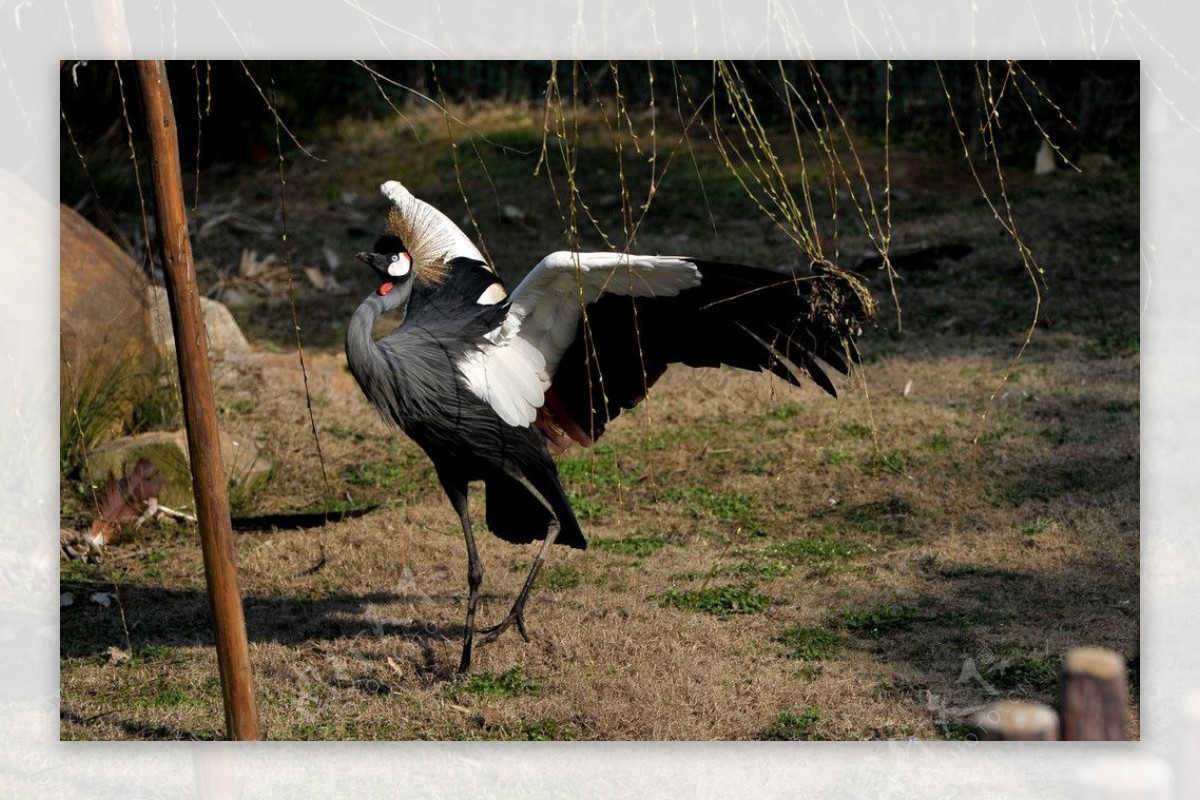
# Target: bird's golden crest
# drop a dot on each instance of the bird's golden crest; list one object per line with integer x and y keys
{"x": 429, "y": 263}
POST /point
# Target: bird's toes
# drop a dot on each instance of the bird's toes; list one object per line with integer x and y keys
{"x": 490, "y": 634}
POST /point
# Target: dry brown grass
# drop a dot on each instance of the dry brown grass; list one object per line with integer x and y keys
{"x": 926, "y": 539}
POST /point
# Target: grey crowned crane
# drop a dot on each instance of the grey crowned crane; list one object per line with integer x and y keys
{"x": 487, "y": 383}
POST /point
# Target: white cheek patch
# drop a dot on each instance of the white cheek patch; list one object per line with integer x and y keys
{"x": 400, "y": 266}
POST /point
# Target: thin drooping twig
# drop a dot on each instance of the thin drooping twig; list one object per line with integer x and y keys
{"x": 291, "y": 288}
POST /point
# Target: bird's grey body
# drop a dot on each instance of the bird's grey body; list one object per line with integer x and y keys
{"x": 412, "y": 376}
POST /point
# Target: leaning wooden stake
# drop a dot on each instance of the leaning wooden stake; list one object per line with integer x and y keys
{"x": 1095, "y": 695}
{"x": 195, "y": 383}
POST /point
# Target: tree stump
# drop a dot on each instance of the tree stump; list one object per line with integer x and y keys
{"x": 1095, "y": 695}
{"x": 1016, "y": 720}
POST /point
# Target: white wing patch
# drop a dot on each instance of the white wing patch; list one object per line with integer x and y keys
{"x": 511, "y": 377}
{"x": 513, "y": 372}
{"x": 549, "y": 303}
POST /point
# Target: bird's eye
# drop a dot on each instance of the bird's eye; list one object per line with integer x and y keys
{"x": 395, "y": 257}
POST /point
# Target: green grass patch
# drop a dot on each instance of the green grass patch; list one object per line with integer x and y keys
{"x": 74, "y": 570}
{"x": 510, "y": 156}
{"x": 92, "y": 410}
{"x": 814, "y": 550}
{"x": 757, "y": 467}
{"x": 558, "y": 577}
{"x": 403, "y": 476}
{"x": 152, "y": 562}
{"x": 784, "y": 412}
{"x": 732, "y": 507}
{"x": 1037, "y": 527}
{"x": 158, "y": 405}
{"x": 539, "y": 731}
{"x": 163, "y": 696}
{"x": 1110, "y": 346}
{"x": 170, "y": 697}
{"x": 311, "y": 731}
{"x": 508, "y": 684}
{"x": 807, "y": 672}
{"x": 939, "y": 443}
{"x": 244, "y": 406}
{"x": 598, "y": 469}
{"x": 1022, "y": 490}
{"x": 993, "y": 436}
{"x": 1058, "y": 435}
{"x": 764, "y": 571}
{"x": 956, "y": 730}
{"x": 794, "y": 726}
{"x": 1025, "y": 673}
{"x": 835, "y": 456}
{"x": 638, "y": 547}
{"x": 720, "y": 601}
{"x": 373, "y": 474}
{"x": 880, "y": 619}
{"x": 588, "y": 508}
{"x": 152, "y": 653}
{"x": 894, "y": 461}
{"x": 811, "y": 643}
{"x": 857, "y": 430}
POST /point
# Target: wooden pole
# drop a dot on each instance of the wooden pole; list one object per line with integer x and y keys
{"x": 1095, "y": 695}
{"x": 1016, "y": 720}
{"x": 195, "y": 384}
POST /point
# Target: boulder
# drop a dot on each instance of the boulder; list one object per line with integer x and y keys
{"x": 224, "y": 336}
{"x": 248, "y": 471}
{"x": 104, "y": 321}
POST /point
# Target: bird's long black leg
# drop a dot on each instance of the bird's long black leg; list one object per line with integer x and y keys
{"x": 457, "y": 492}
{"x": 517, "y": 613}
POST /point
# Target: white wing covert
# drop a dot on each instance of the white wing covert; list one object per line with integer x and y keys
{"x": 513, "y": 371}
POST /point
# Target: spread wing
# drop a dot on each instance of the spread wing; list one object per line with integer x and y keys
{"x": 745, "y": 317}
{"x": 586, "y": 335}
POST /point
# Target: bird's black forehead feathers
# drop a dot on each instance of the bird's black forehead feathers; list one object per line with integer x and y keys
{"x": 389, "y": 244}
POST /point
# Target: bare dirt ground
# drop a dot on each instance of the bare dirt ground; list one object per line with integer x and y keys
{"x": 765, "y": 562}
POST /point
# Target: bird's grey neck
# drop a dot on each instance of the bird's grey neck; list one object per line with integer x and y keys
{"x": 361, "y": 350}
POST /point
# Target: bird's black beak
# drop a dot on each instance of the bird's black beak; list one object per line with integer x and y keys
{"x": 377, "y": 262}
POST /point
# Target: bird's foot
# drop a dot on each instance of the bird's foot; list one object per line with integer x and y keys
{"x": 515, "y": 615}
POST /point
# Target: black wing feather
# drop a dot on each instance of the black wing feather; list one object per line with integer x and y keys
{"x": 740, "y": 316}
